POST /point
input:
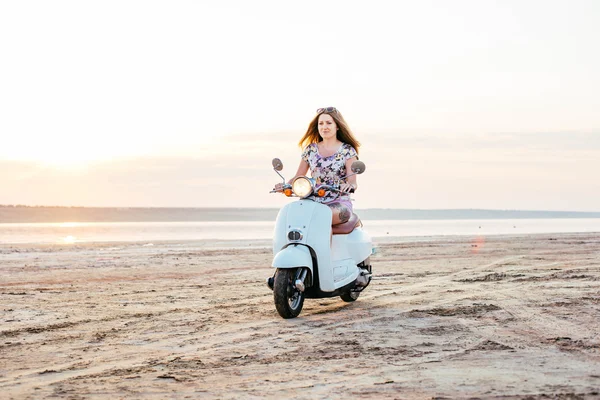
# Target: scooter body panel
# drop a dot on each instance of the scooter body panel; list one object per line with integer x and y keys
{"x": 313, "y": 221}
{"x": 304, "y": 225}
{"x": 356, "y": 245}
{"x": 347, "y": 251}
{"x": 293, "y": 257}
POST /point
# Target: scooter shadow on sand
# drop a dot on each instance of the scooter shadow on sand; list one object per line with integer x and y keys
{"x": 313, "y": 259}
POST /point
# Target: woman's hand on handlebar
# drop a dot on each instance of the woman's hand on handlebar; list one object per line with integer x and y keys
{"x": 347, "y": 187}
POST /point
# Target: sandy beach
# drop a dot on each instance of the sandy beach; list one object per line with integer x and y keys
{"x": 447, "y": 317}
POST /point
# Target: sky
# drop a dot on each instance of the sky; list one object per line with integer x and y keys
{"x": 457, "y": 104}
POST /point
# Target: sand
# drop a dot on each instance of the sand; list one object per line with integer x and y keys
{"x": 455, "y": 317}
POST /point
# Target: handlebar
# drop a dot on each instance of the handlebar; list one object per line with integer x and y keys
{"x": 334, "y": 188}
{"x": 286, "y": 186}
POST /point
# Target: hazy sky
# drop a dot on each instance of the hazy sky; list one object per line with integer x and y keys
{"x": 458, "y": 104}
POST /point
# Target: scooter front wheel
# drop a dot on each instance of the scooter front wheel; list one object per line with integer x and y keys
{"x": 288, "y": 299}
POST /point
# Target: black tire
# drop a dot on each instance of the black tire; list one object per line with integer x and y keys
{"x": 288, "y": 299}
{"x": 350, "y": 296}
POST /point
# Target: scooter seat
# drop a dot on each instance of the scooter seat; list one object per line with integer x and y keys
{"x": 346, "y": 227}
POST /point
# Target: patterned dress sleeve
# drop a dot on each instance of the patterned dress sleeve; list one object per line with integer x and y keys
{"x": 306, "y": 153}
{"x": 350, "y": 152}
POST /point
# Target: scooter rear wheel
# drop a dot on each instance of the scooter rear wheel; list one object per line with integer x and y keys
{"x": 349, "y": 297}
{"x": 288, "y": 299}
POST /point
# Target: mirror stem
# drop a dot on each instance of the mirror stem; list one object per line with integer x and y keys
{"x": 347, "y": 176}
{"x": 280, "y": 175}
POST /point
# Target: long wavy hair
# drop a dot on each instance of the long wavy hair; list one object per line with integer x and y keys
{"x": 344, "y": 133}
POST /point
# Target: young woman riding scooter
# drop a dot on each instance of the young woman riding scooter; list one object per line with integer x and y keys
{"x": 320, "y": 248}
{"x": 329, "y": 149}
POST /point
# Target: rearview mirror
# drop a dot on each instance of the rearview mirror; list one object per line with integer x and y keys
{"x": 278, "y": 165}
{"x": 358, "y": 167}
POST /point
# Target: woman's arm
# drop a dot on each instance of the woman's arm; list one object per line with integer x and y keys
{"x": 302, "y": 170}
{"x": 351, "y": 181}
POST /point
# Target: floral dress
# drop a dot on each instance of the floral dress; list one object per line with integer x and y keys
{"x": 328, "y": 170}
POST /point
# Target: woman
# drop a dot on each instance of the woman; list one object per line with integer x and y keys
{"x": 329, "y": 150}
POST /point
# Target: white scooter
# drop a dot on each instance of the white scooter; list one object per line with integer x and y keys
{"x": 314, "y": 259}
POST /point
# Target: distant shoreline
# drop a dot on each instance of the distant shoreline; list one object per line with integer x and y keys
{"x": 48, "y": 214}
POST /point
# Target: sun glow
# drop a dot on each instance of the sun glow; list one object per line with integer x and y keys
{"x": 69, "y": 239}
{"x": 56, "y": 155}
{"x": 67, "y": 151}
{"x": 67, "y": 157}
{"x": 64, "y": 163}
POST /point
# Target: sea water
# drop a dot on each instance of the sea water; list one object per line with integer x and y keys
{"x": 246, "y": 230}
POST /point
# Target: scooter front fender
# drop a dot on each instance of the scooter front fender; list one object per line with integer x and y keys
{"x": 293, "y": 257}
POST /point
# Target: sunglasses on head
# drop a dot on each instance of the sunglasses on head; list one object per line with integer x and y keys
{"x": 326, "y": 109}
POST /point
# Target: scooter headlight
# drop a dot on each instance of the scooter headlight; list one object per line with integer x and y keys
{"x": 302, "y": 186}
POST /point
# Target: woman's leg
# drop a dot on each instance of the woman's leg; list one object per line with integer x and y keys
{"x": 341, "y": 213}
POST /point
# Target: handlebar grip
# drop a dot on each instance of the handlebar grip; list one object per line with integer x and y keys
{"x": 286, "y": 186}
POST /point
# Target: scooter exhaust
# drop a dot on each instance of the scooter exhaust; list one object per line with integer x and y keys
{"x": 364, "y": 278}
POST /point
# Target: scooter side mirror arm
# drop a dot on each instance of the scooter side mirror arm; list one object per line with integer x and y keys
{"x": 358, "y": 167}
{"x": 279, "y": 175}
{"x": 348, "y": 176}
{"x": 278, "y": 166}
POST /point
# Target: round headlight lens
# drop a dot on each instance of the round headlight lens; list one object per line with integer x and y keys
{"x": 302, "y": 186}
